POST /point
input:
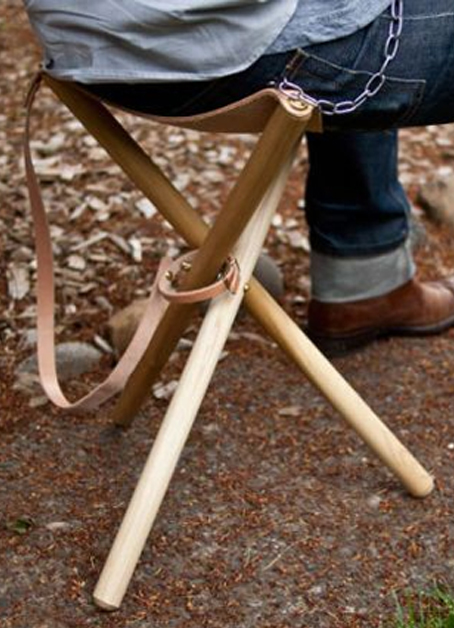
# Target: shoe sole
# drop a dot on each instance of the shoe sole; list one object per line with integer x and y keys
{"x": 340, "y": 346}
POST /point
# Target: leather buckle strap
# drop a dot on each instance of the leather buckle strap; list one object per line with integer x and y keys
{"x": 228, "y": 279}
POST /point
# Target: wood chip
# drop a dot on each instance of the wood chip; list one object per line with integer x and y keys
{"x": 120, "y": 243}
{"x": 136, "y": 249}
{"x": 93, "y": 240}
{"x": 165, "y": 391}
{"x": 18, "y": 278}
{"x": 291, "y": 411}
{"x": 298, "y": 240}
{"x": 76, "y": 262}
{"x": 146, "y": 207}
{"x": 102, "y": 344}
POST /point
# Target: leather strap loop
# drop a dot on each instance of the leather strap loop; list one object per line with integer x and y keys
{"x": 229, "y": 279}
{"x": 155, "y": 309}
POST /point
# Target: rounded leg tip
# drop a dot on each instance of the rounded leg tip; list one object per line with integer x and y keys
{"x": 103, "y": 605}
{"x": 424, "y": 488}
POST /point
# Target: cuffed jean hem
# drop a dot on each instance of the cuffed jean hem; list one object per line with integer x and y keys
{"x": 364, "y": 249}
{"x": 340, "y": 279}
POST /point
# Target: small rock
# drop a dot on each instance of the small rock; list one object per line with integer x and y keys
{"x": 123, "y": 324}
{"x": 270, "y": 276}
{"x": 38, "y": 402}
{"x": 437, "y": 199}
{"x": 73, "y": 359}
{"x": 374, "y": 501}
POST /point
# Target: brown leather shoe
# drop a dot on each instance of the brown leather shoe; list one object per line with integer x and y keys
{"x": 414, "y": 309}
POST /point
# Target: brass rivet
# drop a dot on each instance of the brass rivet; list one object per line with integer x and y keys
{"x": 169, "y": 275}
{"x": 247, "y": 287}
{"x": 186, "y": 266}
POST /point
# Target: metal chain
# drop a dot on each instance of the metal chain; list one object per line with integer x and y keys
{"x": 373, "y": 85}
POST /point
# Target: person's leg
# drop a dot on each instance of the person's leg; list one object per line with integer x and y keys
{"x": 362, "y": 269}
{"x": 356, "y": 209}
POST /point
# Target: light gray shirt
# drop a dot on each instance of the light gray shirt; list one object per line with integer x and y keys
{"x": 316, "y": 21}
{"x": 182, "y": 40}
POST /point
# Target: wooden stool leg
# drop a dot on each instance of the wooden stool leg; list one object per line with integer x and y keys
{"x": 180, "y": 416}
{"x": 341, "y": 395}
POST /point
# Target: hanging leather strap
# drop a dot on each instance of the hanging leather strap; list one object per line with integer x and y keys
{"x": 155, "y": 308}
{"x": 46, "y": 302}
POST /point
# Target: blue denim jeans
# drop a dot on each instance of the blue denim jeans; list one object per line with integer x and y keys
{"x": 355, "y": 204}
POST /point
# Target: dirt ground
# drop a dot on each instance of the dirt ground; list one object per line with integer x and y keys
{"x": 278, "y": 515}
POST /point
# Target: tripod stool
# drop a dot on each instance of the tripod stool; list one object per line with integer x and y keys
{"x": 239, "y": 232}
